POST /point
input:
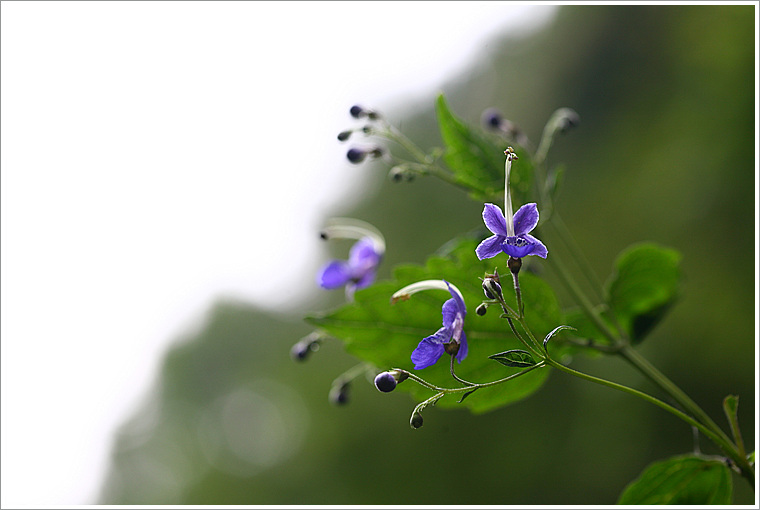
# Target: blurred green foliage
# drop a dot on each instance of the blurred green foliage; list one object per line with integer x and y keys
{"x": 664, "y": 153}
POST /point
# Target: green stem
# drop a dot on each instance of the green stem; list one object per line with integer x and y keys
{"x": 582, "y": 300}
{"x": 718, "y": 438}
{"x": 567, "y": 239}
{"x": 657, "y": 377}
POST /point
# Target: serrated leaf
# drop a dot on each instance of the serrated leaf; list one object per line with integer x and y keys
{"x": 514, "y": 358}
{"x": 683, "y": 480}
{"x": 552, "y": 333}
{"x": 643, "y": 287}
{"x": 478, "y": 160}
{"x": 385, "y": 335}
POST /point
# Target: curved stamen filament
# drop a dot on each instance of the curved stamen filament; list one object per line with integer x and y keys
{"x": 406, "y": 292}
{"x": 349, "y": 228}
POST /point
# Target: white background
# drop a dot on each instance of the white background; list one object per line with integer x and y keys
{"x": 158, "y": 155}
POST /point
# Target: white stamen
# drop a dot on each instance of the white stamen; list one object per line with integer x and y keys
{"x": 349, "y": 228}
{"x": 508, "y": 198}
{"x": 406, "y": 292}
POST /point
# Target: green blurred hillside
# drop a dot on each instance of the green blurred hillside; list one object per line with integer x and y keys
{"x": 664, "y": 152}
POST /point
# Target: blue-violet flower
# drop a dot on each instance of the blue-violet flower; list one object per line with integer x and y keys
{"x": 510, "y": 232}
{"x": 360, "y": 269}
{"x": 449, "y": 338}
{"x": 518, "y": 243}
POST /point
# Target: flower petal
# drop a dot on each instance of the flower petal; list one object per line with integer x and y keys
{"x": 333, "y": 275}
{"x": 442, "y": 336}
{"x": 449, "y": 311}
{"x": 366, "y": 279}
{"x": 490, "y": 247}
{"x": 363, "y": 254}
{"x": 494, "y": 219}
{"x": 538, "y": 247}
{"x": 526, "y": 219}
{"x": 458, "y": 298}
{"x": 426, "y": 354}
{"x": 517, "y": 246}
{"x": 462, "y": 354}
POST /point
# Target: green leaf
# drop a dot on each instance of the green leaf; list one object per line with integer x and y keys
{"x": 514, "y": 358}
{"x": 385, "y": 335}
{"x": 643, "y": 287}
{"x": 478, "y": 160}
{"x": 683, "y": 480}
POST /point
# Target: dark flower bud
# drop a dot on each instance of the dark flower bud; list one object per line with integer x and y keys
{"x": 344, "y": 135}
{"x": 481, "y": 309}
{"x": 514, "y": 264}
{"x": 355, "y": 155}
{"x": 491, "y": 118}
{"x": 367, "y": 130}
{"x": 301, "y": 350}
{"x": 416, "y": 420}
{"x": 356, "y": 111}
{"x": 339, "y": 394}
{"x": 492, "y": 288}
{"x": 385, "y": 382}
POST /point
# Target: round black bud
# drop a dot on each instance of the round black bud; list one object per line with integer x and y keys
{"x": 323, "y": 236}
{"x": 416, "y": 421}
{"x": 339, "y": 394}
{"x": 367, "y": 130}
{"x": 356, "y": 111}
{"x": 492, "y": 118}
{"x": 385, "y": 382}
{"x": 376, "y": 152}
{"x": 344, "y": 135}
{"x": 355, "y": 155}
{"x": 481, "y": 309}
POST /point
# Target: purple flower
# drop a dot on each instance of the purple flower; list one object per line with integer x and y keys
{"x": 357, "y": 272}
{"x": 518, "y": 243}
{"x": 431, "y": 348}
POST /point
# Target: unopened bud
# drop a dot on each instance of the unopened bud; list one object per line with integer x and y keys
{"x": 355, "y": 155}
{"x": 492, "y": 288}
{"x": 481, "y": 309}
{"x": 416, "y": 420}
{"x": 356, "y": 111}
{"x": 492, "y": 118}
{"x": 301, "y": 349}
{"x": 387, "y": 381}
{"x": 339, "y": 394}
{"x": 344, "y": 135}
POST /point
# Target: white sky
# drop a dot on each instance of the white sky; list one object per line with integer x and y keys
{"x": 149, "y": 151}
